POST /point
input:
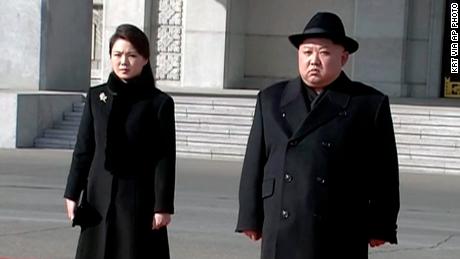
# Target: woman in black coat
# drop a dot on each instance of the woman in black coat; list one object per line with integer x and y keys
{"x": 124, "y": 159}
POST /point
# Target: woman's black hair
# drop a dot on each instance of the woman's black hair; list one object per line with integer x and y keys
{"x": 139, "y": 41}
{"x": 135, "y": 36}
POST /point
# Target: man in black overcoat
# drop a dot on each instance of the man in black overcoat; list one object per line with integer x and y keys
{"x": 320, "y": 177}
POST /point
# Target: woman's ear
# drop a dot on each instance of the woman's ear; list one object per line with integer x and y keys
{"x": 146, "y": 61}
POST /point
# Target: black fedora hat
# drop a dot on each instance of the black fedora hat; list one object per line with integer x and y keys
{"x": 325, "y": 25}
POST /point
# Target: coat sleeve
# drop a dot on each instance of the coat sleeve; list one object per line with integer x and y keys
{"x": 250, "y": 216}
{"x": 83, "y": 154}
{"x": 166, "y": 165}
{"x": 384, "y": 190}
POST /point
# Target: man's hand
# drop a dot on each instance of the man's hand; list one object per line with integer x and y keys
{"x": 70, "y": 206}
{"x": 161, "y": 220}
{"x": 376, "y": 242}
{"x": 253, "y": 235}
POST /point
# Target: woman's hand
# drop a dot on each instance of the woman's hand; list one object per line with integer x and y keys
{"x": 70, "y": 206}
{"x": 161, "y": 220}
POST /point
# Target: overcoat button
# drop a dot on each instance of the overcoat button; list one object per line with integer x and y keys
{"x": 293, "y": 143}
{"x": 326, "y": 144}
{"x": 285, "y": 214}
{"x": 320, "y": 180}
{"x": 343, "y": 113}
{"x": 283, "y": 114}
{"x": 288, "y": 178}
{"x": 317, "y": 216}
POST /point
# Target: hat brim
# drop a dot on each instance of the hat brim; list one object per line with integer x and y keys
{"x": 348, "y": 43}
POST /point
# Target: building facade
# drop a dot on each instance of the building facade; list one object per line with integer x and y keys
{"x": 217, "y": 44}
{"x": 57, "y": 49}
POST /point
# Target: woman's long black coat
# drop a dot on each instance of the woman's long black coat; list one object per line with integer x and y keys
{"x": 125, "y": 155}
{"x": 318, "y": 185}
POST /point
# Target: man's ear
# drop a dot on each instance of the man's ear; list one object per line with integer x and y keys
{"x": 345, "y": 56}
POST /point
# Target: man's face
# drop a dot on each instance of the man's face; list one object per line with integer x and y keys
{"x": 320, "y": 61}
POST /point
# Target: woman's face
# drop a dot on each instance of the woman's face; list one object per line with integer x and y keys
{"x": 126, "y": 61}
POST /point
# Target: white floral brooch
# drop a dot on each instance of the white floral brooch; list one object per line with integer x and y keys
{"x": 103, "y": 97}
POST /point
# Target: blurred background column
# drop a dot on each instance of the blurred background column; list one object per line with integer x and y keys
{"x": 46, "y": 44}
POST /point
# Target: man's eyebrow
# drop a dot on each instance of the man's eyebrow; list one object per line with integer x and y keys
{"x": 319, "y": 47}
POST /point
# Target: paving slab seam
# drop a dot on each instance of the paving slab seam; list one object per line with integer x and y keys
{"x": 437, "y": 245}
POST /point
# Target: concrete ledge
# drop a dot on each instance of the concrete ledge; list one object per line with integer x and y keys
{"x": 8, "y": 119}
{"x": 26, "y": 114}
{"x": 197, "y": 91}
{"x": 427, "y": 102}
{"x": 249, "y": 93}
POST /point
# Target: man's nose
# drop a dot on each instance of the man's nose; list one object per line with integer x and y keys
{"x": 314, "y": 58}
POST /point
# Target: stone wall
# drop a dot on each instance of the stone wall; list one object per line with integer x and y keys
{"x": 400, "y": 43}
{"x": 46, "y": 44}
{"x": 20, "y": 44}
{"x": 231, "y": 44}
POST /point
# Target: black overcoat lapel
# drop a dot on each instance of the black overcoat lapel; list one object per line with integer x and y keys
{"x": 330, "y": 105}
{"x": 293, "y": 107}
{"x": 111, "y": 97}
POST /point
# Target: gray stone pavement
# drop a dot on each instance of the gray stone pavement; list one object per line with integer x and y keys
{"x": 33, "y": 223}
